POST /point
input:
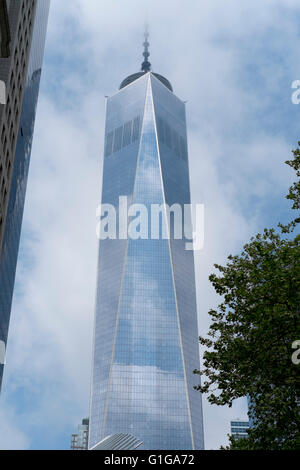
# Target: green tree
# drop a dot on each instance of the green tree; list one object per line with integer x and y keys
{"x": 249, "y": 345}
{"x": 294, "y": 192}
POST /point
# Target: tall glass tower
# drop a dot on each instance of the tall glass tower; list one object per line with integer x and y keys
{"x": 21, "y": 72}
{"x": 145, "y": 334}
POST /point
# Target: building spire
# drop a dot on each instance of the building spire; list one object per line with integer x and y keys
{"x": 146, "y": 66}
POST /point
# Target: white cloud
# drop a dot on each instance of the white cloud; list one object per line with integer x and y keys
{"x": 11, "y": 436}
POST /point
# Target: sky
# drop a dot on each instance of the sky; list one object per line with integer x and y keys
{"x": 234, "y": 63}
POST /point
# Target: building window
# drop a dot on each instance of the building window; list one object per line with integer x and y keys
{"x": 168, "y": 135}
{"x": 7, "y": 159}
{"x": 183, "y": 151}
{"x": 161, "y": 130}
{"x": 11, "y": 132}
{"x": 136, "y": 129}
{"x": 127, "y": 133}
{"x": 175, "y": 141}
{"x": 3, "y": 134}
{"x": 118, "y": 139}
{"x": 109, "y": 144}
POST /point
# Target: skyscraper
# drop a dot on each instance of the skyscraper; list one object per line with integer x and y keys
{"x": 20, "y": 70}
{"x": 145, "y": 334}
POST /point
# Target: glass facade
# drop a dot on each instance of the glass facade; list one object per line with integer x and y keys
{"x": 145, "y": 336}
{"x": 15, "y": 208}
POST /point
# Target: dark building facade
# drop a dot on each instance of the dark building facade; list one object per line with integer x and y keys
{"x": 4, "y": 28}
{"x": 21, "y": 72}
